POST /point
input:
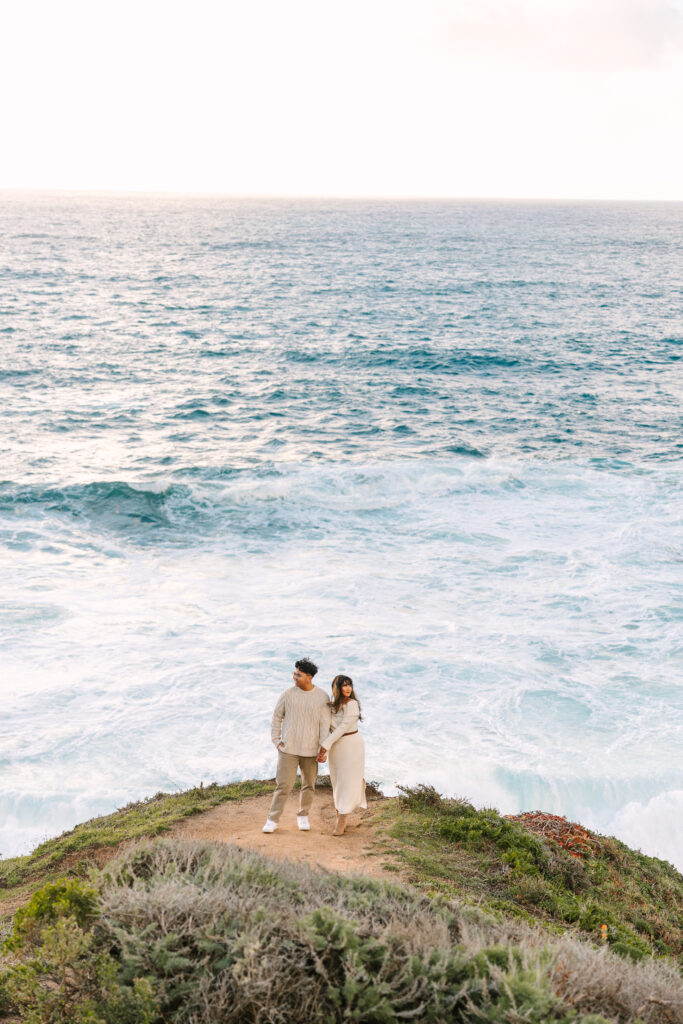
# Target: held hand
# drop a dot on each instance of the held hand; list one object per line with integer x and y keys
{"x": 322, "y": 756}
{"x": 280, "y": 745}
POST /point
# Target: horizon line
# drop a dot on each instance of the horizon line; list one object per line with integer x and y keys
{"x": 327, "y": 197}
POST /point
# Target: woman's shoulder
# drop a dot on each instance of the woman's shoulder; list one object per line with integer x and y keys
{"x": 352, "y": 705}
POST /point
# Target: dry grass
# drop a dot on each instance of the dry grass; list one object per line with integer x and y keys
{"x": 209, "y": 933}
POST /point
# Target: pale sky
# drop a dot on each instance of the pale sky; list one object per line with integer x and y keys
{"x": 518, "y": 98}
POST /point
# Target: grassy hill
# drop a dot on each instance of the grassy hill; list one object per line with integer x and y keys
{"x": 539, "y": 868}
{"x": 93, "y": 842}
{"x": 528, "y": 919}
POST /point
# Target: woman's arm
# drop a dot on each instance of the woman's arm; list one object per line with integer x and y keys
{"x": 349, "y": 723}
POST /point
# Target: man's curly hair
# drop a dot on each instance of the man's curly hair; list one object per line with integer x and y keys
{"x": 307, "y": 666}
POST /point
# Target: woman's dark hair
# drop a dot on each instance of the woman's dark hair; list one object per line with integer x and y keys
{"x": 306, "y": 665}
{"x": 338, "y": 700}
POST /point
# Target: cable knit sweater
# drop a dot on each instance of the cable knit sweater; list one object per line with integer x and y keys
{"x": 301, "y": 721}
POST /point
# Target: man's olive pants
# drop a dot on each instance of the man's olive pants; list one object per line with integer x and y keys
{"x": 287, "y": 765}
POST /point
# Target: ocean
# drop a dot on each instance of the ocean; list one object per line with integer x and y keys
{"x": 434, "y": 445}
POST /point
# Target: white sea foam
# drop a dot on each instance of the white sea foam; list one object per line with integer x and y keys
{"x": 513, "y": 628}
{"x": 655, "y": 827}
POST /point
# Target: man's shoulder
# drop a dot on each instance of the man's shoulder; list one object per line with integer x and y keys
{"x": 315, "y": 692}
{"x": 286, "y": 693}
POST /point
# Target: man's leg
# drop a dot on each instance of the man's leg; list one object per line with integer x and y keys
{"x": 309, "y": 773}
{"x": 285, "y": 778}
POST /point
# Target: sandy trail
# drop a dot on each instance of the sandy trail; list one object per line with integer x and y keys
{"x": 240, "y": 822}
{"x": 360, "y": 850}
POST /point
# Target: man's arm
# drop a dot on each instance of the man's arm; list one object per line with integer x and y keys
{"x": 276, "y": 721}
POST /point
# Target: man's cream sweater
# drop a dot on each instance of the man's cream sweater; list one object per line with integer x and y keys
{"x": 301, "y": 720}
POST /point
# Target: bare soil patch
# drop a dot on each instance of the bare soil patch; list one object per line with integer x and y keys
{"x": 360, "y": 850}
{"x": 357, "y": 851}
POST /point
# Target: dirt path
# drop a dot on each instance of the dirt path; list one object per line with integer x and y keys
{"x": 358, "y": 850}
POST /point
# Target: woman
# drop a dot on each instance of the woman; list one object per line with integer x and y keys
{"x": 347, "y": 752}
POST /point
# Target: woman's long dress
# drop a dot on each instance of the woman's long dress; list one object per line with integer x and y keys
{"x": 346, "y": 752}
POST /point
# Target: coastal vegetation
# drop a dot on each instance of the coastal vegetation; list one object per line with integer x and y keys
{"x": 503, "y": 920}
{"x": 91, "y": 843}
{"x": 564, "y": 878}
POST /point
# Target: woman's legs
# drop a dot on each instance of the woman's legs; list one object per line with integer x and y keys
{"x": 340, "y": 825}
{"x": 347, "y": 770}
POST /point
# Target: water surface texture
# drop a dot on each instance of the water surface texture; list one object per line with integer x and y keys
{"x": 434, "y": 445}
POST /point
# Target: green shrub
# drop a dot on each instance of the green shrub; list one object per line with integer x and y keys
{"x": 228, "y": 935}
{"x": 625, "y": 948}
{"x": 68, "y": 898}
{"x": 57, "y": 971}
{"x": 458, "y": 821}
{"x": 71, "y": 981}
{"x": 5, "y": 1002}
{"x": 452, "y": 847}
{"x": 180, "y": 932}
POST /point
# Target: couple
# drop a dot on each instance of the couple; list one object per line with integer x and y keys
{"x": 306, "y": 726}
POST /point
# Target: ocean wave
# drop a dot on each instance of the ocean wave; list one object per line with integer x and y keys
{"x": 439, "y": 498}
{"x": 436, "y": 360}
{"x": 654, "y": 826}
{"x": 18, "y": 615}
{"x": 19, "y": 376}
{"x": 112, "y": 505}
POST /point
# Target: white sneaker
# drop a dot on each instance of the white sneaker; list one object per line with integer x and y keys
{"x": 269, "y": 826}
{"x": 303, "y": 822}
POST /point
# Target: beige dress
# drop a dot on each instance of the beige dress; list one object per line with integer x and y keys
{"x": 346, "y": 752}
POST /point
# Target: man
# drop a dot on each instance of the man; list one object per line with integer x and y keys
{"x": 301, "y": 721}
